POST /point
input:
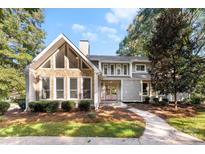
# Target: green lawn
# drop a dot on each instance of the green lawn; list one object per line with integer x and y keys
{"x": 194, "y": 126}
{"x": 101, "y": 129}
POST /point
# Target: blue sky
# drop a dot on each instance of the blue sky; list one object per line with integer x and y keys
{"x": 104, "y": 28}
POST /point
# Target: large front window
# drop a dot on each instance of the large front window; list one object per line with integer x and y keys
{"x": 73, "y": 88}
{"x": 60, "y": 88}
{"x": 86, "y": 88}
{"x": 45, "y": 93}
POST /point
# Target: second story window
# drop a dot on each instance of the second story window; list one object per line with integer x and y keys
{"x": 112, "y": 69}
{"x": 105, "y": 69}
{"x": 125, "y": 71}
{"x": 139, "y": 68}
{"x": 118, "y": 69}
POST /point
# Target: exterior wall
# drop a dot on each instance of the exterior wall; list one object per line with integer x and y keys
{"x": 140, "y": 75}
{"x": 131, "y": 90}
{"x": 37, "y": 74}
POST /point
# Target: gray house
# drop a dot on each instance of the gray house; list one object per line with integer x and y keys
{"x": 63, "y": 71}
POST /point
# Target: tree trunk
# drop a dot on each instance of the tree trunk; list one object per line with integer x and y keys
{"x": 175, "y": 101}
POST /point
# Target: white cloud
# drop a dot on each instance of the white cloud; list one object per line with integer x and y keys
{"x": 114, "y": 37}
{"x": 78, "y": 28}
{"x": 116, "y": 15}
{"x": 89, "y": 36}
{"x": 104, "y": 29}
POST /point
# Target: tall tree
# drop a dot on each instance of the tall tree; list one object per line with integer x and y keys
{"x": 21, "y": 38}
{"x": 139, "y": 33}
{"x": 176, "y": 51}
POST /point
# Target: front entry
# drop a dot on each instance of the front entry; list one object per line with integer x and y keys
{"x": 110, "y": 90}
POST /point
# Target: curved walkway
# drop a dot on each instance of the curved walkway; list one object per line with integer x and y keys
{"x": 157, "y": 131}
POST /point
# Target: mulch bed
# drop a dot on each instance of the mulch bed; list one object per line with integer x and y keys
{"x": 103, "y": 114}
{"x": 169, "y": 111}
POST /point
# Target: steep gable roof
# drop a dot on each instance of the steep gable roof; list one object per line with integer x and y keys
{"x": 53, "y": 46}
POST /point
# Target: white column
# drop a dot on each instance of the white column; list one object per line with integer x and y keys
{"x": 31, "y": 88}
{"x": 96, "y": 91}
{"x": 131, "y": 69}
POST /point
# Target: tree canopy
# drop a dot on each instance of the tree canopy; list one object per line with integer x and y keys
{"x": 21, "y": 38}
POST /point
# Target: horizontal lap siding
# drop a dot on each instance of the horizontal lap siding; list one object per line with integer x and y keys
{"x": 131, "y": 90}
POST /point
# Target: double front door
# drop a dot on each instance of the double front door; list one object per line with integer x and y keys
{"x": 111, "y": 90}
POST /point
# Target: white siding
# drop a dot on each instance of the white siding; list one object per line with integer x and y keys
{"x": 131, "y": 90}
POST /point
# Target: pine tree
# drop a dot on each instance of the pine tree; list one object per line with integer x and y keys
{"x": 21, "y": 38}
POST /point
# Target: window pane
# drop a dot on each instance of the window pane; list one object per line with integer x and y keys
{"x": 45, "y": 88}
{"x": 60, "y": 94}
{"x": 84, "y": 65}
{"x": 47, "y": 64}
{"x": 112, "y": 69}
{"x": 145, "y": 88}
{"x": 125, "y": 69}
{"x": 73, "y": 84}
{"x": 60, "y": 87}
{"x": 142, "y": 68}
{"x": 73, "y": 88}
{"x": 73, "y": 59}
{"x": 86, "y": 88}
{"x": 105, "y": 69}
{"x": 60, "y": 59}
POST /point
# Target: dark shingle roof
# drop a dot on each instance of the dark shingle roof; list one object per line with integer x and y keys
{"x": 118, "y": 58}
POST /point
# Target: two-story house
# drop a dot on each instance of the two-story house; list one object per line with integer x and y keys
{"x": 63, "y": 71}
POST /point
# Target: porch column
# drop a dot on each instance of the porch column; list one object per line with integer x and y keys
{"x": 30, "y": 89}
{"x": 96, "y": 91}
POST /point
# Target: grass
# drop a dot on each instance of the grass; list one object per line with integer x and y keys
{"x": 106, "y": 122}
{"x": 101, "y": 129}
{"x": 191, "y": 125}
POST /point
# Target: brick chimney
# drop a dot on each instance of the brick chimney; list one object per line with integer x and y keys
{"x": 84, "y": 47}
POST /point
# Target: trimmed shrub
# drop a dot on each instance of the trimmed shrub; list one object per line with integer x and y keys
{"x": 44, "y": 106}
{"x": 147, "y": 99}
{"x": 68, "y": 105}
{"x": 52, "y": 106}
{"x": 155, "y": 101}
{"x": 164, "y": 101}
{"x": 21, "y": 102}
{"x": 4, "y": 106}
{"x": 84, "y": 105}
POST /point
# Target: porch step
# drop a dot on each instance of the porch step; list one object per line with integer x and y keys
{"x": 114, "y": 104}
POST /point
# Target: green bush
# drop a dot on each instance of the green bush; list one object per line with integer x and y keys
{"x": 193, "y": 99}
{"x": 68, "y": 105}
{"x": 21, "y": 102}
{"x": 44, "y": 106}
{"x": 4, "y": 106}
{"x": 52, "y": 106}
{"x": 155, "y": 101}
{"x": 84, "y": 105}
{"x": 164, "y": 101}
{"x": 147, "y": 99}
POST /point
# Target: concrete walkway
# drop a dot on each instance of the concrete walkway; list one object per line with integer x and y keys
{"x": 157, "y": 131}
